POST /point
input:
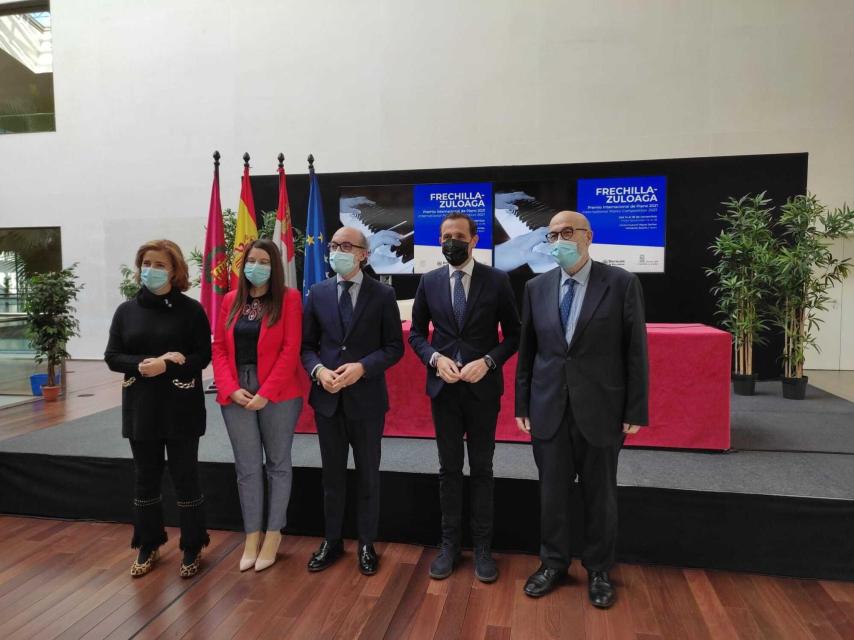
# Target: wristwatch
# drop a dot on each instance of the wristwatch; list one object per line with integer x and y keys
{"x": 490, "y": 362}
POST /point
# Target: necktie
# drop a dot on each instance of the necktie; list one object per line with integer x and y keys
{"x": 345, "y": 304}
{"x": 566, "y": 302}
{"x": 459, "y": 299}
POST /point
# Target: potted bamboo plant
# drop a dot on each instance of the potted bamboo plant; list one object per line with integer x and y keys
{"x": 51, "y": 322}
{"x": 743, "y": 250}
{"x": 805, "y": 270}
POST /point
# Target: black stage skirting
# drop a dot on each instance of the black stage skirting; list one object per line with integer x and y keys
{"x": 783, "y": 535}
{"x": 781, "y": 503}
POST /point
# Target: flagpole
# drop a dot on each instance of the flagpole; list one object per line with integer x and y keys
{"x": 216, "y": 156}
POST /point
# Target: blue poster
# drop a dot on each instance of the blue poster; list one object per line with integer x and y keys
{"x": 432, "y": 202}
{"x": 628, "y": 219}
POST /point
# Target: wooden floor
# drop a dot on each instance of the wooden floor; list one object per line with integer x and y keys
{"x": 71, "y": 580}
{"x": 91, "y": 388}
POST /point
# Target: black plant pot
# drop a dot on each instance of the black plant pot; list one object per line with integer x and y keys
{"x": 794, "y": 388}
{"x": 744, "y": 385}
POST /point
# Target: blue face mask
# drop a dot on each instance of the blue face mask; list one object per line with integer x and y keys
{"x": 258, "y": 274}
{"x": 153, "y": 279}
{"x": 565, "y": 253}
{"x": 341, "y": 262}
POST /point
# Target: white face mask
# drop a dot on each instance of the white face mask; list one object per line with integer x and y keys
{"x": 565, "y": 253}
{"x": 153, "y": 278}
{"x": 342, "y": 262}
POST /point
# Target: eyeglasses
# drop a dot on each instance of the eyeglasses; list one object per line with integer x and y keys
{"x": 346, "y": 247}
{"x": 565, "y": 234}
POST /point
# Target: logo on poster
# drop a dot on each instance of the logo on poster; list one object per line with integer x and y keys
{"x": 461, "y": 200}
{"x": 624, "y": 195}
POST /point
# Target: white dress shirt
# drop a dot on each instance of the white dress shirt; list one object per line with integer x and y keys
{"x": 467, "y": 270}
{"x": 354, "y": 289}
{"x": 354, "y": 294}
{"x": 581, "y": 277}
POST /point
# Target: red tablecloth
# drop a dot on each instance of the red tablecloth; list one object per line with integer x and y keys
{"x": 689, "y": 370}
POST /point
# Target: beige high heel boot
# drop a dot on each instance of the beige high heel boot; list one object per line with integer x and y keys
{"x": 269, "y": 549}
{"x": 250, "y": 550}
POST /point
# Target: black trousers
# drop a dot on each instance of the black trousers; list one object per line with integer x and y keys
{"x": 459, "y": 414}
{"x": 559, "y": 460}
{"x": 149, "y": 462}
{"x": 336, "y": 435}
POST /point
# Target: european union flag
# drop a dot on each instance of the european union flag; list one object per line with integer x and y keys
{"x": 314, "y": 266}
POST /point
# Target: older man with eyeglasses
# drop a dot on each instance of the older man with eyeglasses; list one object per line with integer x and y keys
{"x": 351, "y": 334}
{"x": 581, "y": 387}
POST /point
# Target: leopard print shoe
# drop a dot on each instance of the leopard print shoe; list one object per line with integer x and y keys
{"x": 190, "y": 570}
{"x": 139, "y": 569}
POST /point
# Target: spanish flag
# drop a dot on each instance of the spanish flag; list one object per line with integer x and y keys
{"x": 246, "y": 229}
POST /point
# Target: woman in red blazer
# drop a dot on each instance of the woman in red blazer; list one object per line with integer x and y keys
{"x": 256, "y": 367}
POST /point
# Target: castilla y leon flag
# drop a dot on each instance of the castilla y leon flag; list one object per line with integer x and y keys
{"x": 215, "y": 259}
{"x": 283, "y": 234}
{"x": 246, "y": 228}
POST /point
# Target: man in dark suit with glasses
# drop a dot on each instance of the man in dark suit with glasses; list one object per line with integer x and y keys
{"x": 581, "y": 387}
{"x": 351, "y": 334}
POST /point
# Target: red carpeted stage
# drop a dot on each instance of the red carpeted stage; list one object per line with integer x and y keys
{"x": 689, "y": 393}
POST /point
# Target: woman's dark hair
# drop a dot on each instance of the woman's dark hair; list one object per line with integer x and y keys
{"x": 271, "y": 303}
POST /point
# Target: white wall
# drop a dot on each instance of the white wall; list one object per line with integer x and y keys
{"x": 146, "y": 90}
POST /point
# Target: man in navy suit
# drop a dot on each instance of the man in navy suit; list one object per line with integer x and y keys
{"x": 581, "y": 386}
{"x": 351, "y": 334}
{"x": 465, "y": 301}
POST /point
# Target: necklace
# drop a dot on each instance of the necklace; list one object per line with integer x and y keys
{"x": 252, "y": 310}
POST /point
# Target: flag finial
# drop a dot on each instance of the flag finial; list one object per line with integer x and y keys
{"x": 246, "y": 159}
{"x": 281, "y": 160}
{"x": 216, "y": 158}
{"x": 310, "y": 161}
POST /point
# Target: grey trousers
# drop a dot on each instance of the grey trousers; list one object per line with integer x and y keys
{"x": 255, "y": 435}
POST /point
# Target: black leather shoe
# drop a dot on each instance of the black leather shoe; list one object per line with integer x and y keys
{"x": 542, "y": 581}
{"x": 327, "y": 554}
{"x": 484, "y": 565}
{"x": 443, "y": 565}
{"x": 602, "y": 592}
{"x": 368, "y": 560}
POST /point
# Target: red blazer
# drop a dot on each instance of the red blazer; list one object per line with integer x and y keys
{"x": 279, "y": 367}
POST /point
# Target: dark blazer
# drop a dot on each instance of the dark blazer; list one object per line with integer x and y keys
{"x": 603, "y": 372}
{"x": 171, "y": 405}
{"x": 375, "y": 339}
{"x": 490, "y": 302}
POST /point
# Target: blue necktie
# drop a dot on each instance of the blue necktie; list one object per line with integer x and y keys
{"x": 459, "y": 309}
{"x": 345, "y": 304}
{"x": 459, "y": 299}
{"x": 566, "y": 302}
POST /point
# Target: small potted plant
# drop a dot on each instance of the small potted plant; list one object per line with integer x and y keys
{"x": 129, "y": 286}
{"x": 51, "y": 322}
{"x": 805, "y": 270}
{"x": 743, "y": 250}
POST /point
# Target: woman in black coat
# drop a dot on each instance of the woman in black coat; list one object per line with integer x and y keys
{"x": 161, "y": 341}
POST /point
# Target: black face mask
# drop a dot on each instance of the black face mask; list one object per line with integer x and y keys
{"x": 456, "y": 252}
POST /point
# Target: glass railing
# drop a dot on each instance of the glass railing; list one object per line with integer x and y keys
{"x": 16, "y": 354}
